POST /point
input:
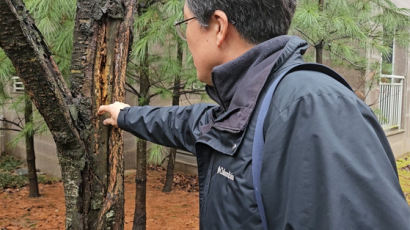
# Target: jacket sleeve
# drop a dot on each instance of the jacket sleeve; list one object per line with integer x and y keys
{"x": 328, "y": 165}
{"x": 175, "y": 126}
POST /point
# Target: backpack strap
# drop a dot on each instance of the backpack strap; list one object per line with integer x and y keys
{"x": 258, "y": 140}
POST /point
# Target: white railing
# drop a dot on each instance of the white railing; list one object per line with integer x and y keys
{"x": 391, "y": 101}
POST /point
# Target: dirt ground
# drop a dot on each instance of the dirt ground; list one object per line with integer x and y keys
{"x": 176, "y": 210}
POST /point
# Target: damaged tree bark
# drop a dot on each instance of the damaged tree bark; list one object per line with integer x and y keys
{"x": 90, "y": 154}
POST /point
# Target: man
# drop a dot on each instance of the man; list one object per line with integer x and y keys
{"x": 326, "y": 162}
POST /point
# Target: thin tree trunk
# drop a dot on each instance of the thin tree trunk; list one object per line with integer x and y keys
{"x": 175, "y": 101}
{"x": 89, "y": 153}
{"x": 140, "y": 216}
{"x": 319, "y": 46}
{"x": 319, "y": 52}
{"x": 169, "y": 178}
{"x": 30, "y": 154}
{"x": 321, "y": 5}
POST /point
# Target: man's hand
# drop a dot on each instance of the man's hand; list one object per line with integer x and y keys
{"x": 113, "y": 110}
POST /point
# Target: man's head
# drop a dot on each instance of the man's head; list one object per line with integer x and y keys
{"x": 255, "y": 20}
{"x": 225, "y": 29}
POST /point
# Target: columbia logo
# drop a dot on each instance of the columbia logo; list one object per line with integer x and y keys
{"x": 225, "y": 173}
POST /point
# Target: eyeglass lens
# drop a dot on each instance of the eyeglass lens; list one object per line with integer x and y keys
{"x": 181, "y": 30}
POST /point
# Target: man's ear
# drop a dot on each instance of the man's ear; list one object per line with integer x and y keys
{"x": 221, "y": 26}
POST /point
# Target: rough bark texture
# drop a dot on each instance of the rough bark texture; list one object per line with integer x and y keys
{"x": 90, "y": 154}
{"x": 176, "y": 94}
{"x": 30, "y": 154}
{"x": 102, "y": 37}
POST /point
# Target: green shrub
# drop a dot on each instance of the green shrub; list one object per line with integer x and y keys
{"x": 9, "y": 163}
{"x": 8, "y": 180}
{"x": 46, "y": 179}
{"x": 403, "y": 167}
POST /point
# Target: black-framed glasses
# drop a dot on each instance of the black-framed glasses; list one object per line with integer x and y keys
{"x": 181, "y": 27}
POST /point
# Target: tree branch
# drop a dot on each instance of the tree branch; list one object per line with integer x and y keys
{"x": 337, "y": 38}
{"x": 131, "y": 89}
{"x": 195, "y": 91}
{"x": 308, "y": 38}
{"x": 11, "y": 122}
{"x": 11, "y": 129}
{"x": 347, "y": 60}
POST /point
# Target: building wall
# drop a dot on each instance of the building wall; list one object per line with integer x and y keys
{"x": 400, "y": 139}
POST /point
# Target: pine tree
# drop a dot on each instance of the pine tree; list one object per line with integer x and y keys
{"x": 156, "y": 65}
{"x": 347, "y": 29}
{"x": 55, "y": 19}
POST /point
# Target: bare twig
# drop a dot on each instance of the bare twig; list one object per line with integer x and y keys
{"x": 12, "y": 122}
{"x": 131, "y": 89}
{"x": 10, "y": 129}
{"x": 194, "y": 91}
{"x": 311, "y": 40}
{"x": 347, "y": 60}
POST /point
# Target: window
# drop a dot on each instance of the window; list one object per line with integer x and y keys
{"x": 17, "y": 85}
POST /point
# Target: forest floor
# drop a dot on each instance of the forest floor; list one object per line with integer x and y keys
{"x": 178, "y": 209}
{"x": 175, "y": 210}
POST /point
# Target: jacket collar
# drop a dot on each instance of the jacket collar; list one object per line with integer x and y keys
{"x": 227, "y": 77}
{"x": 238, "y": 83}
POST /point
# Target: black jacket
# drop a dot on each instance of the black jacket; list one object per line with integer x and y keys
{"x": 326, "y": 162}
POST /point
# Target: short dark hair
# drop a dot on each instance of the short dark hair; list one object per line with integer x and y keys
{"x": 255, "y": 20}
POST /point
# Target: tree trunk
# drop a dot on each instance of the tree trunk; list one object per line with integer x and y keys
{"x": 319, "y": 52}
{"x": 319, "y": 46}
{"x": 140, "y": 216}
{"x": 30, "y": 155}
{"x": 169, "y": 179}
{"x": 90, "y": 154}
{"x": 321, "y": 5}
{"x": 100, "y": 53}
{"x": 24, "y": 45}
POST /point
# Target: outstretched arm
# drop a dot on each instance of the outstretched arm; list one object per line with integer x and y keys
{"x": 175, "y": 126}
